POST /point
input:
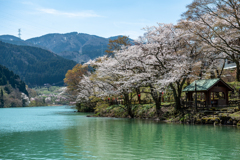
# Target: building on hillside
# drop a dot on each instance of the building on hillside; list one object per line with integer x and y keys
{"x": 229, "y": 65}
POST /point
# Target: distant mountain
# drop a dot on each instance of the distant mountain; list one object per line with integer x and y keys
{"x": 35, "y": 66}
{"x": 79, "y": 47}
{"x": 75, "y": 46}
{"x": 13, "y": 40}
{"x": 10, "y": 38}
{"x": 17, "y": 41}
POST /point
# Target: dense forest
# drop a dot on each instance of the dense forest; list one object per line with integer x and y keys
{"x": 12, "y": 89}
{"x": 8, "y": 77}
{"x": 35, "y": 66}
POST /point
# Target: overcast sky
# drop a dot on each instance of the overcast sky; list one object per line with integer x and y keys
{"x": 104, "y": 18}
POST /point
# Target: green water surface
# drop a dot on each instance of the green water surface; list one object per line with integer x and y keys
{"x": 61, "y": 133}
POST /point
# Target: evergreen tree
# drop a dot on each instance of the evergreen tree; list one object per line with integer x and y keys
{"x": 1, "y": 99}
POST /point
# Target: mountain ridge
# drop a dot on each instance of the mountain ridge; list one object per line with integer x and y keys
{"x": 79, "y": 47}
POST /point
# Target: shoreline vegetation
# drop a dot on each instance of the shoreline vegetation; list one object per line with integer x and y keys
{"x": 214, "y": 116}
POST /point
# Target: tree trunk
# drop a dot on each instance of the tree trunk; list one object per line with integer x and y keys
{"x": 157, "y": 99}
{"x": 130, "y": 113}
{"x": 177, "y": 98}
{"x": 128, "y": 105}
{"x": 212, "y": 75}
{"x": 158, "y": 107}
{"x": 219, "y": 74}
{"x": 200, "y": 73}
{"x": 237, "y": 71}
{"x": 178, "y": 102}
{"x": 177, "y": 91}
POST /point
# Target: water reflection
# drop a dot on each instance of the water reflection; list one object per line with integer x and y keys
{"x": 59, "y": 133}
{"x": 107, "y": 138}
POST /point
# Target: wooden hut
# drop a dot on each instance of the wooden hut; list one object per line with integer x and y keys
{"x": 210, "y": 92}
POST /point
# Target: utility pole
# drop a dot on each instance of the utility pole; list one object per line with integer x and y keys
{"x": 19, "y": 33}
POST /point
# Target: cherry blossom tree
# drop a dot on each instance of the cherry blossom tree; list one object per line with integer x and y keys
{"x": 171, "y": 56}
{"x": 88, "y": 89}
{"x": 158, "y": 61}
{"x": 111, "y": 73}
{"x": 162, "y": 58}
{"x": 216, "y": 23}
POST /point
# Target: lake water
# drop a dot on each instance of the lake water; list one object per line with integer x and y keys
{"x": 61, "y": 133}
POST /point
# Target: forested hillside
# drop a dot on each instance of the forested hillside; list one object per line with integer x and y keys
{"x": 8, "y": 77}
{"x": 35, "y": 66}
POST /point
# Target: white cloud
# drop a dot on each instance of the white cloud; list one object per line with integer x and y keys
{"x": 83, "y": 14}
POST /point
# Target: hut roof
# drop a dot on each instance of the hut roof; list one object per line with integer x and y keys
{"x": 205, "y": 84}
